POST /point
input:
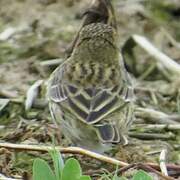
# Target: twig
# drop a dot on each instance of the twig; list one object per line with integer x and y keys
{"x": 171, "y": 39}
{"x": 153, "y": 152}
{"x": 73, "y": 150}
{"x": 151, "y": 136}
{"x": 123, "y": 169}
{"x": 162, "y": 160}
{"x": 169, "y": 166}
{"x": 144, "y": 167}
{"x": 2, "y": 177}
{"x": 154, "y": 98}
{"x": 156, "y": 127}
{"x": 77, "y": 150}
{"x": 148, "y": 71}
{"x": 38, "y": 103}
{"x": 153, "y": 51}
{"x": 156, "y": 116}
{"x": 150, "y": 169}
{"x": 144, "y": 89}
{"x": 51, "y": 62}
{"x": 7, "y": 94}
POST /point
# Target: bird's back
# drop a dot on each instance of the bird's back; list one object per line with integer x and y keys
{"x": 89, "y": 94}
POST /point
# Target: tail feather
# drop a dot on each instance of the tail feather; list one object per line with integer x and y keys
{"x": 108, "y": 133}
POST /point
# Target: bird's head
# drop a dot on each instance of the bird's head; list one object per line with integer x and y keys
{"x": 99, "y": 28}
{"x": 100, "y": 11}
{"x": 97, "y": 41}
{"x": 99, "y": 31}
{"x": 98, "y": 37}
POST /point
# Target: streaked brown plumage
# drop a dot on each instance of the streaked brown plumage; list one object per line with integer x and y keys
{"x": 90, "y": 95}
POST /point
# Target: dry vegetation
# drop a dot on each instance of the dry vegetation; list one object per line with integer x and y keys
{"x": 32, "y": 32}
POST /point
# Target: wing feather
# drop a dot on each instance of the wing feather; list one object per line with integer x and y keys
{"x": 91, "y": 104}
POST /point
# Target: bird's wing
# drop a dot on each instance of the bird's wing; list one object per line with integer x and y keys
{"x": 92, "y": 104}
{"x": 89, "y": 104}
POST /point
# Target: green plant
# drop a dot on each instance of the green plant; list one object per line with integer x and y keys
{"x": 142, "y": 175}
{"x": 139, "y": 175}
{"x": 70, "y": 170}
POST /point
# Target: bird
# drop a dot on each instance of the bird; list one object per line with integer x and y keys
{"x": 91, "y": 95}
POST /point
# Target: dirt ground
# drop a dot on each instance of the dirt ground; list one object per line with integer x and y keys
{"x": 36, "y": 31}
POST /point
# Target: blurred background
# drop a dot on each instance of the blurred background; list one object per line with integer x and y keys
{"x": 37, "y": 30}
{"x": 34, "y": 32}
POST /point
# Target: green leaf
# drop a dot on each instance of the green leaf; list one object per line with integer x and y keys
{"x": 72, "y": 170}
{"x": 42, "y": 171}
{"x": 142, "y": 175}
{"x": 57, "y": 162}
{"x": 84, "y": 177}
